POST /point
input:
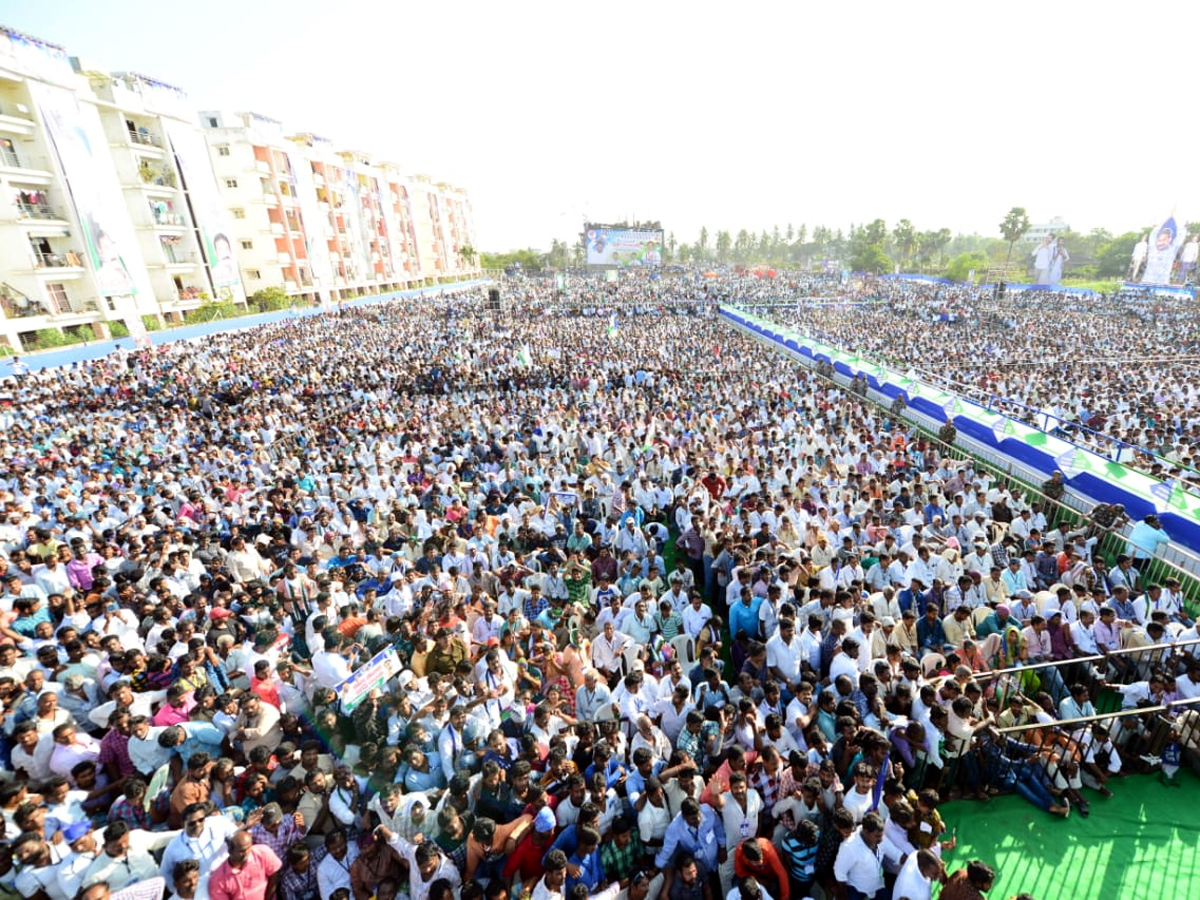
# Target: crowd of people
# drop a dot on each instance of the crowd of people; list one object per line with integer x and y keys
{"x": 1117, "y": 373}
{"x": 661, "y": 615}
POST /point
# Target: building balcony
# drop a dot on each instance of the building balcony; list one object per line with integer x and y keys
{"x": 38, "y": 211}
{"x": 21, "y": 171}
{"x": 26, "y": 307}
{"x": 285, "y": 258}
{"x": 17, "y": 124}
{"x": 277, "y": 228}
{"x": 146, "y": 144}
{"x": 66, "y": 264}
{"x": 263, "y": 167}
{"x": 156, "y": 180}
{"x": 290, "y": 286}
{"x": 169, "y": 220}
{"x": 144, "y": 138}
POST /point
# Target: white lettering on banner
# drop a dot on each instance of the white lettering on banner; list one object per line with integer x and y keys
{"x": 374, "y": 674}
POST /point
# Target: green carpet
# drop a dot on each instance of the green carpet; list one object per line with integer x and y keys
{"x": 1143, "y": 844}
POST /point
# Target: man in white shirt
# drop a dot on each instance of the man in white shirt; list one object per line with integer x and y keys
{"x": 330, "y": 668}
{"x": 607, "y": 650}
{"x": 695, "y": 614}
{"x": 39, "y": 864}
{"x": 592, "y": 697}
{"x": 786, "y": 655}
{"x": 739, "y": 807}
{"x": 202, "y": 839}
{"x": 860, "y": 859}
{"x": 917, "y": 876}
{"x": 1082, "y": 636}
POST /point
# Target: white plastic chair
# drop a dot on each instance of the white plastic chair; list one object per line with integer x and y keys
{"x": 685, "y": 648}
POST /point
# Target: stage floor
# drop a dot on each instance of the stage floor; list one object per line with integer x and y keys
{"x": 1142, "y": 844}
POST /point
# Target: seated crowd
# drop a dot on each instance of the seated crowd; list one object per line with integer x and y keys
{"x": 649, "y": 613}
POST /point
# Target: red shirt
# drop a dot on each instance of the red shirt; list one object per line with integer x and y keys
{"x": 526, "y": 860}
{"x": 249, "y": 882}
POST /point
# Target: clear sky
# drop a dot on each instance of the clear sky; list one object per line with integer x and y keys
{"x": 729, "y": 115}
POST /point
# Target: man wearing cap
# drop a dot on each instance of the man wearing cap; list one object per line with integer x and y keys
{"x": 84, "y": 848}
{"x": 526, "y": 862}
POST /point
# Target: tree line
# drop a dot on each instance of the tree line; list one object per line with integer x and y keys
{"x": 871, "y": 247}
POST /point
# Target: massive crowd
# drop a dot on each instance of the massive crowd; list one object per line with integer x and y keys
{"x": 1122, "y": 366}
{"x": 669, "y": 617}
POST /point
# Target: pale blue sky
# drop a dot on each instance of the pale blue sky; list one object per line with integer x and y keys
{"x": 728, "y": 115}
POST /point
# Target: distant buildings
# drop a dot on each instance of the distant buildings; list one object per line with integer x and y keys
{"x": 1055, "y": 226}
{"x": 119, "y": 205}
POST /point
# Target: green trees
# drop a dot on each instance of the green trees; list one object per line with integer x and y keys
{"x": 1112, "y": 257}
{"x": 724, "y": 245}
{"x": 530, "y": 260}
{"x": 267, "y": 300}
{"x": 871, "y": 258}
{"x": 867, "y": 253}
{"x": 905, "y": 237}
{"x": 1014, "y": 226}
{"x": 960, "y": 267}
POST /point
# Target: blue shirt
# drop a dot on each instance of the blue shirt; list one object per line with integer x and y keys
{"x": 702, "y": 842}
{"x": 612, "y": 772}
{"x": 635, "y": 783}
{"x": 745, "y": 618}
{"x": 592, "y": 873}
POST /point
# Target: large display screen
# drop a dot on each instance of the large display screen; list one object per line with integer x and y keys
{"x": 623, "y": 246}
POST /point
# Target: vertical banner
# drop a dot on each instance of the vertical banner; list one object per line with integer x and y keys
{"x": 212, "y": 220}
{"x": 315, "y": 224}
{"x": 108, "y": 238}
{"x": 1164, "y": 244}
{"x": 357, "y": 267}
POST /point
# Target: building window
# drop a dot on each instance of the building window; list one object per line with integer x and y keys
{"x": 239, "y": 213}
{"x": 254, "y": 274}
{"x": 212, "y": 123}
{"x": 222, "y": 150}
{"x": 247, "y": 245}
{"x": 57, "y": 295}
{"x": 231, "y": 182}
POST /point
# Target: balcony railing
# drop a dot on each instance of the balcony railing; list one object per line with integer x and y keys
{"x": 8, "y": 157}
{"x": 25, "y": 307}
{"x": 37, "y": 211}
{"x": 168, "y": 219}
{"x": 181, "y": 259}
{"x": 145, "y": 139}
{"x": 56, "y": 260}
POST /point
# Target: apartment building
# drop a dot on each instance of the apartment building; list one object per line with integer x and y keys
{"x": 327, "y": 224}
{"x": 119, "y": 205}
{"x": 109, "y": 211}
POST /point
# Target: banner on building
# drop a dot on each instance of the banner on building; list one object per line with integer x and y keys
{"x": 212, "y": 219}
{"x": 107, "y": 236}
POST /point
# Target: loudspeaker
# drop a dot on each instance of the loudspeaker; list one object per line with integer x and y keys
{"x": 494, "y": 299}
{"x": 1000, "y": 291}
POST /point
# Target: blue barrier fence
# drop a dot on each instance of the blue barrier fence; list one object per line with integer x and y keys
{"x": 1095, "y": 477}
